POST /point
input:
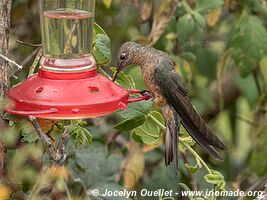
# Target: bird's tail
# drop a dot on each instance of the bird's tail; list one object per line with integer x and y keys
{"x": 171, "y": 135}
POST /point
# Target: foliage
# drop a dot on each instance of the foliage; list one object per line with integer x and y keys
{"x": 249, "y": 43}
{"x": 80, "y": 134}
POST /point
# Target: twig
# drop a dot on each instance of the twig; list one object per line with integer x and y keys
{"x": 12, "y": 73}
{"x": 28, "y": 44}
{"x": 47, "y": 141}
{"x": 192, "y": 151}
{"x": 161, "y": 126}
{"x": 57, "y": 157}
{"x": 67, "y": 190}
{"x": 67, "y": 48}
{"x": 63, "y": 142}
{"x": 247, "y": 121}
{"x": 255, "y": 75}
{"x": 35, "y": 62}
{"x": 11, "y": 61}
{"x": 29, "y": 57}
{"x": 46, "y": 190}
{"x": 191, "y": 178}
{"x": 57, "y": 154}
{"x": 35, "y": 187}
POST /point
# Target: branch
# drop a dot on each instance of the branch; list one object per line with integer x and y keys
{"x": 35, "y": 62}
{"x": 5, "y": 13}
{"x": 190, "y": 176}
{"x": 57, "y": 154}
{"x": 30, "y": 56}
{"x": 28, "y": 44}
{"x": 11, "y": 61}
{"x": 256, "y": 78}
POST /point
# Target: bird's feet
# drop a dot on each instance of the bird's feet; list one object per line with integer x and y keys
{"x": 146, "y": 93}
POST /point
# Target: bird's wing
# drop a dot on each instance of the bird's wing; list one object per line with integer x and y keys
{"x": 173, "y": 89}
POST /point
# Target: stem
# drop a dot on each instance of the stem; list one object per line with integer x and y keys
{"x": 67, "y": 190}
{"x": 254, "y": 124}
{"x": 29, "y": 44}
{"x": 189, "y": 148}
{"x": 192, "y": 181}
{"x": 182, "y": 140}
{"x": 162, "y": 127}
{"x": 257, "y": 82}
{"x": 68, "y": 48}
{"x": 11, "y": 61}
{"x": 187, "y": 8}
{"x": 35, "y": 62}
{"x": 36, "y": 186}
{"x": 51, "y": 148}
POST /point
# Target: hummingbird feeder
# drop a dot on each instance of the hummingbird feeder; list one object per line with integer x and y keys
{"x": 67, "y": 85}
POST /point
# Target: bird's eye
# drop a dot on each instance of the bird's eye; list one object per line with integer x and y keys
{"x": 123, "y": 56}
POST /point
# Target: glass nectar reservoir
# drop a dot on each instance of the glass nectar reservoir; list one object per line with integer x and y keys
{"x": 67, "y": 34}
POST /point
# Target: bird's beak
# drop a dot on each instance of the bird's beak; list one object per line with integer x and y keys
{"x": 119, "y": 68}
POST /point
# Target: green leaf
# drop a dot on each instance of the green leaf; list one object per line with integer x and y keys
{"x": 102, "y": 49}
{"x": 248, "y": 88}
{"x": 189, "y": 56}
{"x": 137, "y": 109}
{"x": 107, "y": 3}
{"x": 205, "y": 6}
{"x": 191, "y": 26}
{"x": 27, "y": 131}
{"x": 184, "y": 186}
{"x": 98, "y": 30}
{"x": 191, "y": 169}
{"x": 185, "y": 27}
{"x": 200, "y": 20}
{"x": 135, "y": 115}
{"x": 200, "y": 24}
{"x": 149, "y": 132}
{"x": 94, "y": 167}
{"x": 130, "y": 124}
{"x": 81, "y": 135}
{"x": 249, "y": 43}
{"x": 216, "y": 178}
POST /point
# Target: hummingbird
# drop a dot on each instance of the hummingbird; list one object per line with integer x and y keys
{"x": 168, "y": 91}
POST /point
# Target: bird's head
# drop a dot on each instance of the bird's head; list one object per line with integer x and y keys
{"x": 126, "y": 56}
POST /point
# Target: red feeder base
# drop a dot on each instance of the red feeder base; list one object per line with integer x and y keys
{"x": 56, "y": 95}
